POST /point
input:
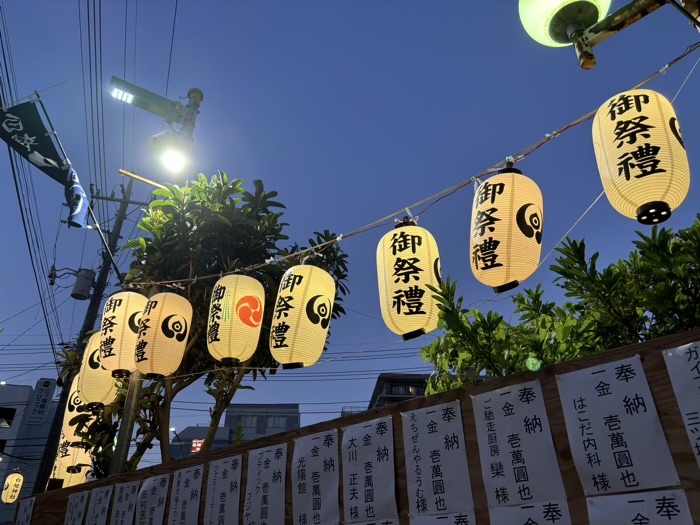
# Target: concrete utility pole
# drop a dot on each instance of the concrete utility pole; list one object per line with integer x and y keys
{"x": 49, "y": 455}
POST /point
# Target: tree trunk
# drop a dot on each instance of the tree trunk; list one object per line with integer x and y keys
{"x": 222, "y": 402}
{"x": 141, "y": 449}
{"x": 164, "y": 420}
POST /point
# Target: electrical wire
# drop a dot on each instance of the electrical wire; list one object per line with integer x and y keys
{"x": 172, "y": 42}
{"x": 436, "y": 197}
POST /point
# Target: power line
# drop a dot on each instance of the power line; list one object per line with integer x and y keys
{"x": 172, "y": 42}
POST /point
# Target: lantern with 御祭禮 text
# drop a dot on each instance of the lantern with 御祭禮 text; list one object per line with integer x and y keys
{"x": 506, "y": 230}
{"x": 407, "y": 262}
{"x": 74, "y": 407}
{"x": 235, "y": 318}
{"x": 641, "y": 156}
{"x": 12, "y": 487}
{"x": 119, "y": 332}
{"x": 302, "y": 315}
{"x": 97, "y": 387}
{"x": 77, "y": 475}
{"x": 163, "y": 332}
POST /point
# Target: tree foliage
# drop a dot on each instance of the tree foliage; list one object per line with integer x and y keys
{"x": 654, "y": 292}
{"x": 206, "y": 228}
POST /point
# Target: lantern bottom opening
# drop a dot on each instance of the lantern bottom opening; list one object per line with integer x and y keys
{"x": 506, "y": 287}
{"x": 412, "y": 335}
{"x": 155, "y": 377}
{"x": 80, "y": 444}
{"x": 73, "y": 470}
{"x": 653, "y": 212}
{"x": 230, "y": 361}
{"x": 292, "y": 366}
{"x": 121, "y": 373}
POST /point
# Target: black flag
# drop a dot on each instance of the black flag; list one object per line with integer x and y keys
{"x": 24, "y": 131}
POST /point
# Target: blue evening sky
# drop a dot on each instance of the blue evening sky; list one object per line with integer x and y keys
{"x": 351, "y": 110}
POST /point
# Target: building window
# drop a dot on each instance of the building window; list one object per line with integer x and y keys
{"x": 399, "y": 390}
{"x": 276, "y": 422}
{"x": 249, "y": 421}
{"x": 7, "y": 415}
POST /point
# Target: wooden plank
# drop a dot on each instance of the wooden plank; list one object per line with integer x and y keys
{"x": 50, "y": 507}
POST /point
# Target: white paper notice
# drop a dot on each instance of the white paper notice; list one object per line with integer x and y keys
{"x": 667, "y": 507}
{"x": 223, "y": 492}
{"x": 99, "y": 506}
{"x": 614, "y": 431}
{"x": 315, "y": 479}
{"x": 75, "y": 510}
{"x": 436, "y": 462}
{"x": 264, "y": 496}
{"x": 683, "y": 365}
{"x": 518, "y": 461}
{"x": 124, "y": 507}
{"x": 368, "y": 471}
{"x": 186, "y": 495}
{"x": 545, "y": 512}
{"x": 24, "y": 514}
{"x": 151, "y": 500}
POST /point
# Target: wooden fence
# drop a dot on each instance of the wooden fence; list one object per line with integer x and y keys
{"x": 50, "y": 508}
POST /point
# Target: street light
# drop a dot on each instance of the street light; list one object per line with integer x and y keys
{"x": 584, "y": 24}
{"x": 173, "y": 146}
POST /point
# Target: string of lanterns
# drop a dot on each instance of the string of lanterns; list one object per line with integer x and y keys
{"x": 645, "y": 174}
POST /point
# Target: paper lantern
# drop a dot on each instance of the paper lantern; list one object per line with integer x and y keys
{"x": 74, "y": 406}
{"x": 550, "y": 22}
{"x": 506, "y": 230}
{"x": 12, "y": 488}
{"x": 407, "y": 262}
{"x": 72, "y": 456}
{"x": 119, "y": 332}
{"x": 641, "y": 156}
{"x": 69, "y": 479}
{"x": 302, "y": 315}
{"x": 97, "y": 386}
{"x": 163, "y": 332}
{"x": 235, "y": 318}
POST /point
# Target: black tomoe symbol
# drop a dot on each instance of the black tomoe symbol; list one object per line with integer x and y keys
{"x": 530, "y": 225}
{"x": 318, "y": 310}
{"x": 74, "y": 402}
{"x": 176, "y": 328}
{"x": 673, "y": 123}
{"x": 94, "y": 360}
{"x": 134, "y": 320}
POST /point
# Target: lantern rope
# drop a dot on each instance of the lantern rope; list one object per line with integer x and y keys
{"x": 685, "y": 81}
{"x": 522, "y": 154}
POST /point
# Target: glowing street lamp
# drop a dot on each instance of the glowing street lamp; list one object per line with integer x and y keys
{"x": 582, "y": 23}
{"x": 173, "y": 147}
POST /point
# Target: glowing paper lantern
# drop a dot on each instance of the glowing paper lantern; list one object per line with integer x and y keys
{"x": 302, "y": 316}
{"x": 641, "y": 156}
{"x": 119, "y": 332}
{"x": 407, "y": 262}
{"x": 550, "y": 22}
{"x": 97, "y": 386}
{"x": 163, "y": 332}
{"x": 506, "y": 231}
{"x": 74, "y": 406}
{"x": 68, "y": 479}
{"x": 72, "y": 456}
{"x": 235, "y": 318}
{"x": 12, "y": 488}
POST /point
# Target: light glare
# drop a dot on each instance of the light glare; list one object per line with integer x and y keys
{"x": 173, "y": 160}
{"x": 122, "y": 95}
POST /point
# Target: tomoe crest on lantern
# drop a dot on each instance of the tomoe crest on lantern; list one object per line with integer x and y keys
{"x": 119, "y": 332}
{"x": 302, "y": 315}
{"x": 162, "y": 337}
{"x": 97, "y": 385}
{"x": 506, "y": 231}
{"x": 235, "y": 318}
{"x": 407, "y": 262}
{"x": 641, "y": 156}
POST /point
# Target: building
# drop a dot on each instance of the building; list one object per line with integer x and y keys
{"x": 255, "y": 421}
{"x": 393, "y": 388}
{"x": 25, "y": 420}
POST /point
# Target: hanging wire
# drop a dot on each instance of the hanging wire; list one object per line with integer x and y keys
{"x": 444, "y": 193}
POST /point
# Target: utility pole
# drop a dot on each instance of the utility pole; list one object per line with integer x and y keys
{"x": 49, "y": 455}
